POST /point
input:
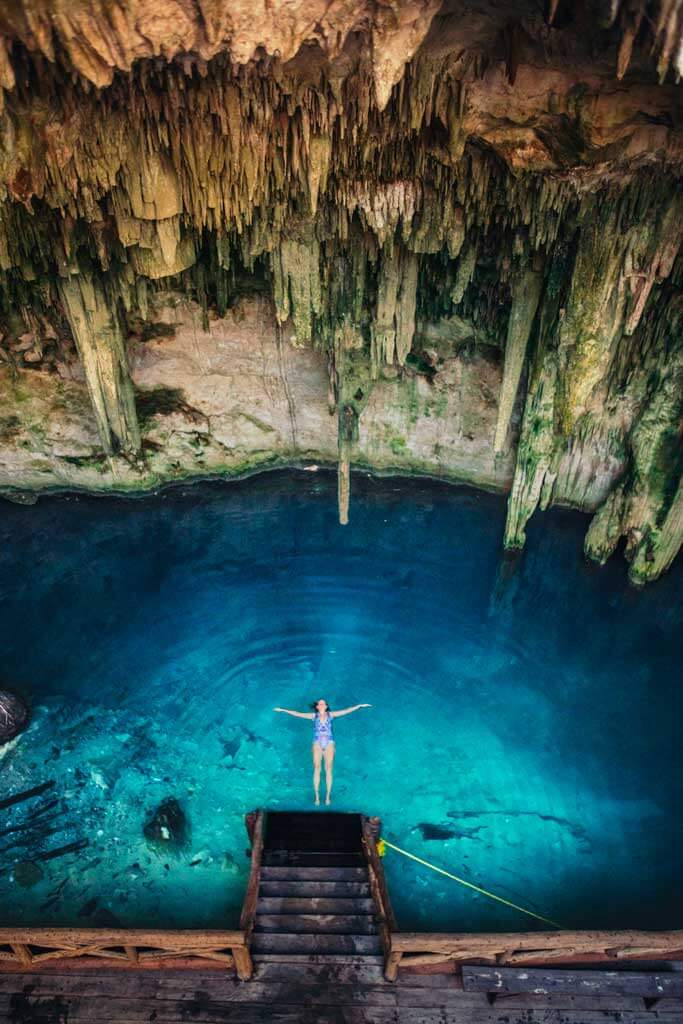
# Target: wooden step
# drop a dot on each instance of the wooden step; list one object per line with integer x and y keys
{"x": 333, "y": 924}
{"x": 312, "y": 830}
{"x": 314, "y": 889}
{"x": 314, "y": 905}
{"x": 314, "y": 959}
{"x": 303, "y": 973}
{"x": 360, "y": 945}
{"x": 312, "y": 858}
{"x": 314, "y": 874}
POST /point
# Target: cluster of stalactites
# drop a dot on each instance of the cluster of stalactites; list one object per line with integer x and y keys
{"x": 364, "y": 220}
{"x": 609, "y": 356}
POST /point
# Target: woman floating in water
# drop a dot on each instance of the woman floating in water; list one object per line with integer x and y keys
{"x": 323, "y": 740}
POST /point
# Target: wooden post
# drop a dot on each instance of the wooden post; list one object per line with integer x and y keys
{"x": 251, "y": 895}
{"x": 243, "y": 962}
{"x": 380, "y": 893}
{"x": 244, "y": 965}
{"x": 132, "y": 953}
{"x": 391, "y": 962}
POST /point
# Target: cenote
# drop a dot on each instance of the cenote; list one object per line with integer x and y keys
{"x": 521, "y": 732}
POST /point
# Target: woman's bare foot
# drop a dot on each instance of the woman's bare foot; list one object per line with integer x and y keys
{"x": 317, "y": 800}
{"x": 328, "y": 801}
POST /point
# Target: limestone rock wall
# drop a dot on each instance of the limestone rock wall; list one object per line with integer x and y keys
{"x": 235, "y": 394}
{"x": 415, "y": 235}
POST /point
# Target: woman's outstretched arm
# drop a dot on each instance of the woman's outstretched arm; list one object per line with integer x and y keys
{"x": 347, "y": 711}
{"x": 297, "y": 714}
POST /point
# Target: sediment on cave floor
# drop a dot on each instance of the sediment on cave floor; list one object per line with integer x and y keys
{"x": 417, "y": 238}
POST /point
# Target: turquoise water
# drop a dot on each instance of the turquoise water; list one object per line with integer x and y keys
{"x": 524, "y": 730}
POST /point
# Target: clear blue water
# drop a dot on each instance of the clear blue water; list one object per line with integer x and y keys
{"x": 524, "y": 730}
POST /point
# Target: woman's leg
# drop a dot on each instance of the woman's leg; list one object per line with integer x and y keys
{"x": 329, "y": 761}
{"x": 317, "y": 761}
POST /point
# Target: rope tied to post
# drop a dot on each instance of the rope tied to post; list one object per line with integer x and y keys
{"x": 382, "y": 848}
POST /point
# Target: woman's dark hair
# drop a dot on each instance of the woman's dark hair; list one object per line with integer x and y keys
{"x": 314, "y": 705}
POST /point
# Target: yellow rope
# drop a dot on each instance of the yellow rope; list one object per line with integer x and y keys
{"x": 383, "y": 843}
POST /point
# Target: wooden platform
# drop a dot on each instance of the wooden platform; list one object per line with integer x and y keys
{"x": 318, "y": 931}
{"x": 293, "y": 990}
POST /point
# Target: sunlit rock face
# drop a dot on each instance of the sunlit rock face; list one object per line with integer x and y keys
{"x": 412, "y": 236}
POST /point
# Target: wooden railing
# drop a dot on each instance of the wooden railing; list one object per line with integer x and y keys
{"x": 378, "y": 886}
{"x": 28, "y": 948}
{"x": 31, "y": 947}
{"x": 136, "y": 947}
{"x": 417, "y": 948}
{"x": 255, "y": 824}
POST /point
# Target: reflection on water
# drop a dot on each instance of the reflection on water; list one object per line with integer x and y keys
{"x": 522, "y": 729}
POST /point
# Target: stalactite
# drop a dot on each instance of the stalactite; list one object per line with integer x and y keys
{"x": 646, "y": 506}
{"x": 394, "y": 324}
{"x": 348, "y": 432}
{"x": 296, "y": 271}
{"x": 101, "y": 346}
{"x": 534, "y": 473}
{"x": 619, "y": 242}
{"x": 526, "y": 292}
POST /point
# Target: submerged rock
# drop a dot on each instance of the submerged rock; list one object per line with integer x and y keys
{"x": 28, "y": 873}
{"x": 14, "y": 715}
{"x": 168, "y": 828}
{"x": 435, "y": 831}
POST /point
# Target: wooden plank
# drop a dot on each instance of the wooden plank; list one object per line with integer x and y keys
{"x": 453, "y": 998}
{"x": 130, "y": 984}
{"x": 270, "y": 942}
{"x": 235, "y": 1014}
{"x": 335, "y": 924}
{"x": 569, "y": 1001}
{"x": 193, "y": 965}
{"x": 314, "y": 889}
{"x": 65, "y": 938}
{"x": 539, "y": 943}
{"x": 314, "y": 905}
{"x": 345, "y": 973}
{"x": 286, "y": 992}
{"x": 318, "y": 958}
{"x": 204, "y": 1011}
{"x": 313, "y": 874}
{"x": 510, "y": 979}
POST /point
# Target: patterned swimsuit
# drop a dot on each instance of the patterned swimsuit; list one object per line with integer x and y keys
{"x": 322, "y": 731}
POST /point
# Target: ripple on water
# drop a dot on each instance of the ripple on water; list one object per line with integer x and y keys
{"x": 521, "y": 732}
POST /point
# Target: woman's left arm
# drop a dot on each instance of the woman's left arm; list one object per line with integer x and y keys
{"x": 347, "y": 711}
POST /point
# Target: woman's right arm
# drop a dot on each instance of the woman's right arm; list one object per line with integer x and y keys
{"x": 297, "y": 714}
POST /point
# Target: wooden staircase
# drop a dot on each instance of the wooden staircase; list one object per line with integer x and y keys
{"x": 314, "y": 901}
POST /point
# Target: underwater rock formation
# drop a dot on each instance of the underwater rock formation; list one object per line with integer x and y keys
{"x": 167, "y": 829}
{"x": 14, "y": 715}
{"x": 409, "y": 236}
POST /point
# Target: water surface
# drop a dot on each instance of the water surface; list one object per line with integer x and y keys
{"x": 523, "y": 732}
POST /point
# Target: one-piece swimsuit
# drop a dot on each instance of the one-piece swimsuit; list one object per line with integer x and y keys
{"x": 322, "y": 731}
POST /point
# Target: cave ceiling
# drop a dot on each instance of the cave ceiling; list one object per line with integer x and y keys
{"x": 386, "y": 174}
